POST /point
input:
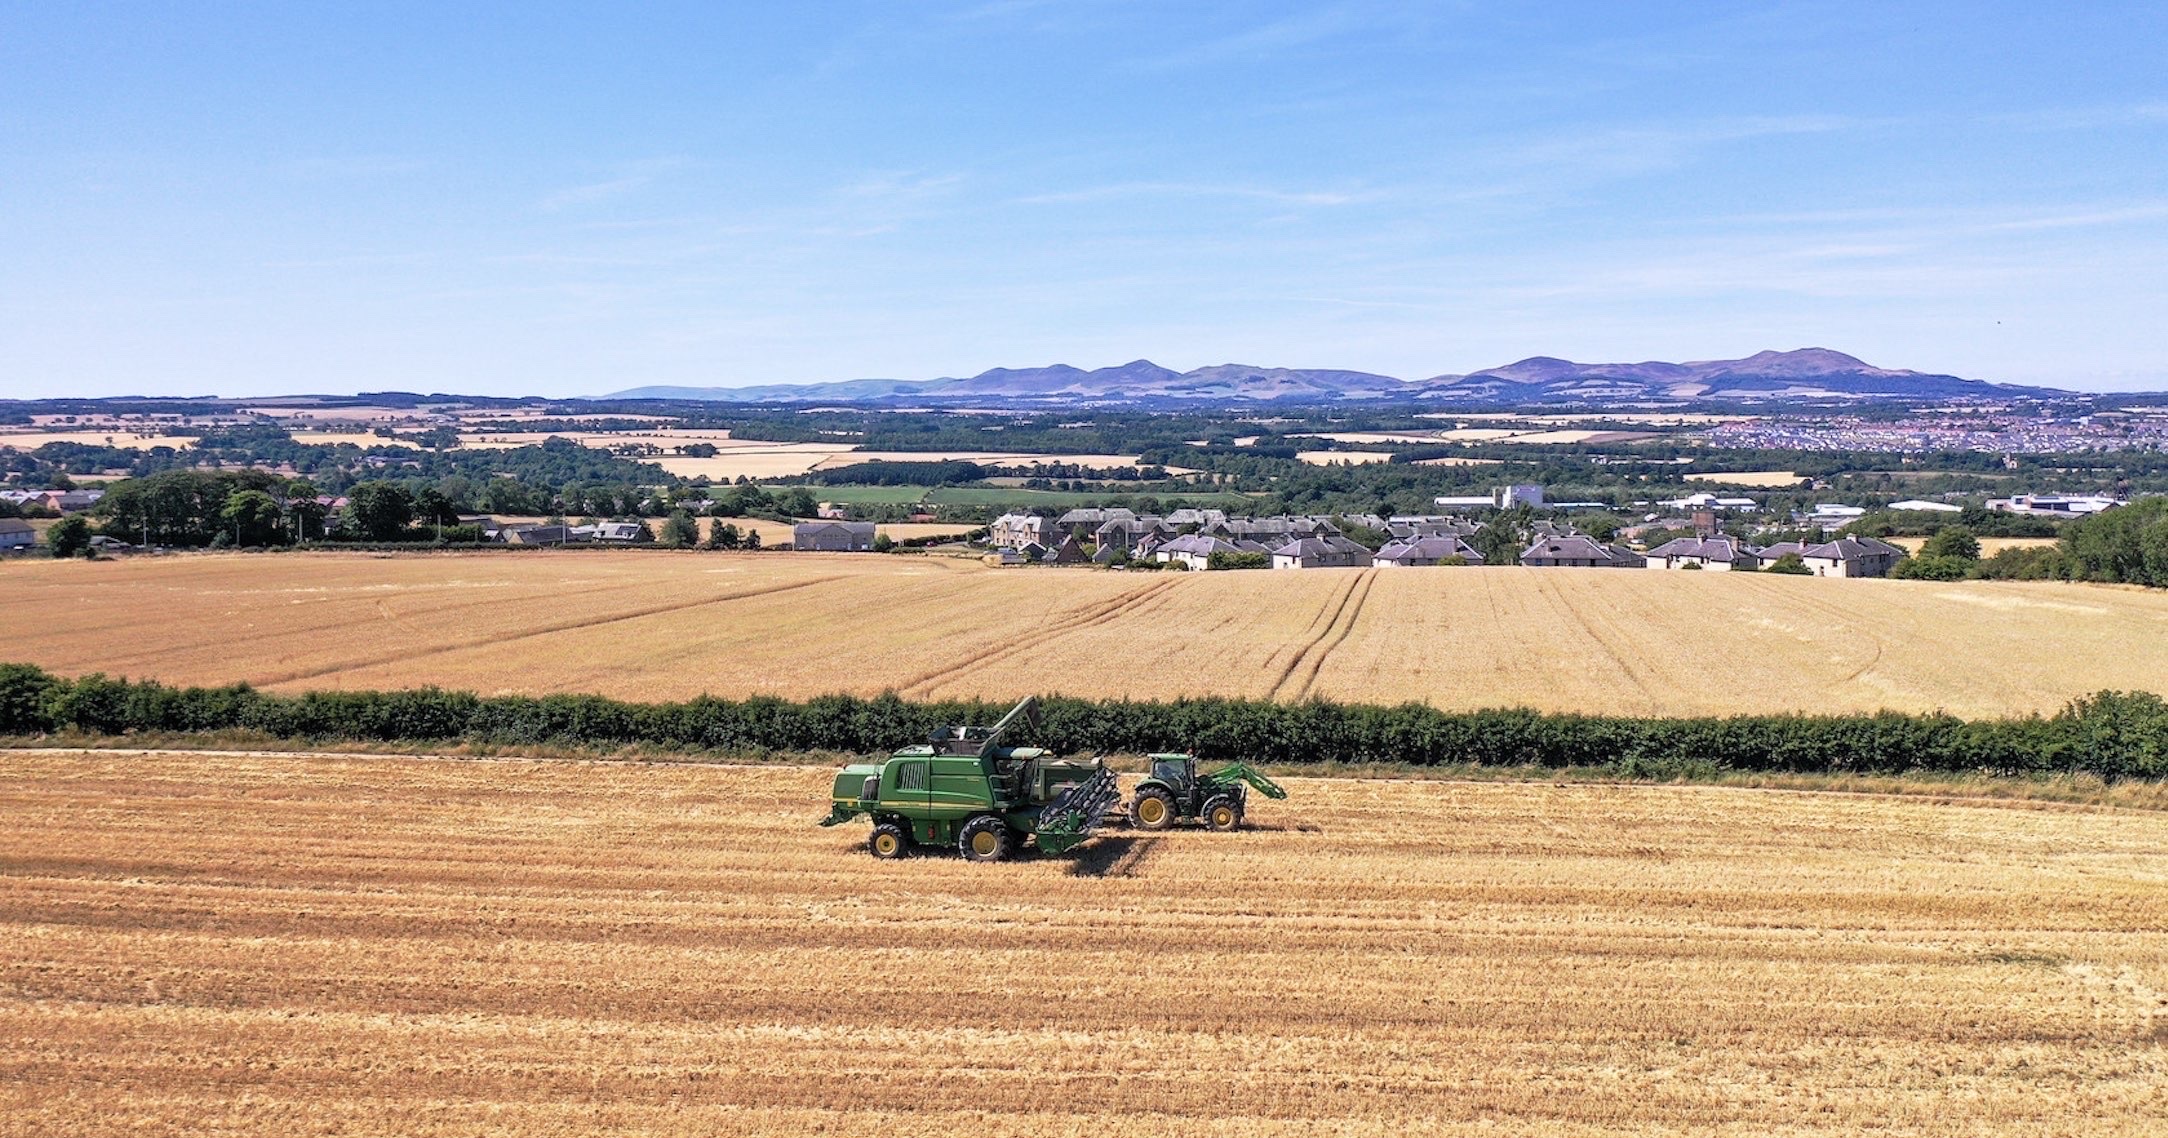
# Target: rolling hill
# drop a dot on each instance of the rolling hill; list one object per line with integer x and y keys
{"x": 1805, "y": 375}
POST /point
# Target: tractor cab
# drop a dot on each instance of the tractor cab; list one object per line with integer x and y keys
{"x": 1177, "y": 771}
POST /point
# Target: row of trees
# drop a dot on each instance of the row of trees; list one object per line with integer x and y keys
{"x": 2113, "y": 735}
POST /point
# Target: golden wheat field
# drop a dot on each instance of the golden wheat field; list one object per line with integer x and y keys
{"x": 211, "y": 945}
{"x": 662, "y": 625}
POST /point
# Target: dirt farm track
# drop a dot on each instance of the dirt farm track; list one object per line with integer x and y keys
{"x": 666, "y": 626}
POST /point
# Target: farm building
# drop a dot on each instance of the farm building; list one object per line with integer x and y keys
{"x": 544, "y": 535}
{"x": 1577, "y": 552}
{"x": 16, "y": 533}
{"x": 62, "y": 501}
{"x": 2053, "y": 505}
{"x": 1707, "y": 501}
{"x": 623, "y": 533}
{"x": 832, "y": 537}
{"x": 1422, "y": 551}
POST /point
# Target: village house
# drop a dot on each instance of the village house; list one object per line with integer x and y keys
{"x": 1720, "y": 554}
{"x": 623, "y": 533}
{"x": 1409, "y": 526}
{"x": 1770, "y": 555}
{"x": 1851, "y": 557}
{"x": 833, "y": 537}
{"x": 1084, "y": 521}
{"x": 1577, "y": 552}
{"x": 1194, "y": 550}
{"x": 1131, "y": 533}
{"x": 1422, "y": 551}
{"x": 1329, "y": 552}
{"x": 1067, "y": 553}
{"x": 1009, "y": 531}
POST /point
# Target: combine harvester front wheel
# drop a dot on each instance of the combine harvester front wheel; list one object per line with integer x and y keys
{"x": 889, "y": 841}
{"x": 984, "y": 839}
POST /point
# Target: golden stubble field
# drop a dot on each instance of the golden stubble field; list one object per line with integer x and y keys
{"x": 658, "y": 625}
{"x": 213, "y": 945}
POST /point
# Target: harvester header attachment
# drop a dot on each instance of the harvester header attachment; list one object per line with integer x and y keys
{"x": 1073, "y": 814}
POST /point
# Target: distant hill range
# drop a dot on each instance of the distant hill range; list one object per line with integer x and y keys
{"x": 1809, "y": 375}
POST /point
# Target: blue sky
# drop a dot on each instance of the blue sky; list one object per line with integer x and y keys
{"x": 244, "y": 198}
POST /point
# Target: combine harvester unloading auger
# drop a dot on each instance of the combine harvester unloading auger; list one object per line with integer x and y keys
{"x": 962, "y": 787}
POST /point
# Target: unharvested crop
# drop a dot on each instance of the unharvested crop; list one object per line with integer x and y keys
{"x": 263, "y": 945}
{"x": 657, "y": 625}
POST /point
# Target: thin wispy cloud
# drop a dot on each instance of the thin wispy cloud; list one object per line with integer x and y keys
{"x": 2087, "y": 219}
{"x": 1653, "y": 145}
{"x": 1290, "y": 34}
{"x": 1201, "y": 190}
{"x": 2154, "y": 113}
{"x": 340, "y": 167}
{"x": 632, "y": 178}
{"x": 902, "y": 184}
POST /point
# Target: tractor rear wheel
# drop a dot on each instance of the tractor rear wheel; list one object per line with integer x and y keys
{"x": 985, "y": 838}
{"x": 889, "y": 841}
{"x": 1220, "y": 814}
{"x": 1153, "y": 809}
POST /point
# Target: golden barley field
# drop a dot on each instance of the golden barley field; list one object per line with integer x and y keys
{"x": 257, "y": 945}
{"x": 665, "y": 625}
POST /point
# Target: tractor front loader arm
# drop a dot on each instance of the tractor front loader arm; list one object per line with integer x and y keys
{"x": 1243, "y": 772}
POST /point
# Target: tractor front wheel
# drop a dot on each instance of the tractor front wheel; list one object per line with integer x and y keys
{"x": 889, "y": 841}
{"x": 1220, "y": 814}
{"x": 985, "y": 838}
{"x": 1153, "y": 809}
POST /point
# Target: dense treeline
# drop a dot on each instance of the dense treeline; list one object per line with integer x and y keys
{"x": 2128, "y": 544}
{"x": 955, "y": 472}
{"x": 2112, "y": 735}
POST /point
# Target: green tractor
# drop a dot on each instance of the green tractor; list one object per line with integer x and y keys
{"x": 963, "y": 788}
{"x": 1175, "y": 792}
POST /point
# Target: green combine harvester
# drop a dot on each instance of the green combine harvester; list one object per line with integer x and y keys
{"x": 1175, "y": 792}
{"x": 962, "y": 787}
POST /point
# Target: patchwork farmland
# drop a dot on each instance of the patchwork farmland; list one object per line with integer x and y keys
{"x": 656, "y": 625}
{"x": 223, "y": 944}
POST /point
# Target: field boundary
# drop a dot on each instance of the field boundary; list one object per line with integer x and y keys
{"x": 2110, "y": 735}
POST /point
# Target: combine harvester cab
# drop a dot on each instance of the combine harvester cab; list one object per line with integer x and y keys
{"x": 1175, "y": 792}
{"x": 962, "y": 788}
